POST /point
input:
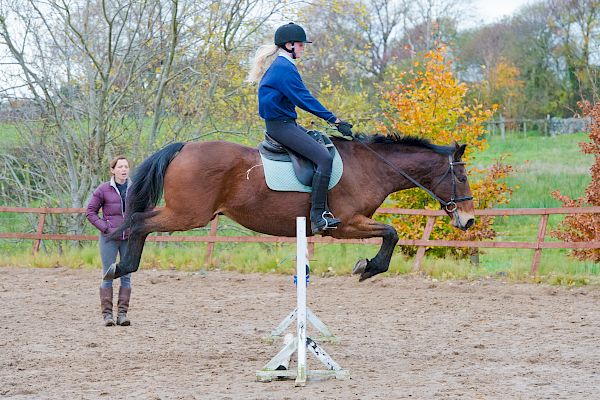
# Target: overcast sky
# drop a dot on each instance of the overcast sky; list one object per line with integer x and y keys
{"x": 493, "y": 10}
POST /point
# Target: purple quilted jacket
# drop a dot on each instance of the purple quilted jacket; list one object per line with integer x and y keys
{"x": 107, "y": 198}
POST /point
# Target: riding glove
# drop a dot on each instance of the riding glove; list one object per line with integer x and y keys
{"x": 345, "y": 128}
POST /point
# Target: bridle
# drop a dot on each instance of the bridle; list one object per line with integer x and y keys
{"x": 449, "y": 206}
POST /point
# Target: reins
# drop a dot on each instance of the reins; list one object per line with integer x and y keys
{"x": 449, "y": 206}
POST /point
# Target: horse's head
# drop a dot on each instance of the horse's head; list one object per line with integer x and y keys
{"x": 452, "y": 187}
{"x": 439, "y": 171}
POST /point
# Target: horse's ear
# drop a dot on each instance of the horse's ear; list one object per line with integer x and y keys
{"x": 459, "y": 151}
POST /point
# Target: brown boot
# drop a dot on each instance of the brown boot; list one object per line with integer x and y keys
{"x": 123, "y": 306}
{"x": 106, "y": 305}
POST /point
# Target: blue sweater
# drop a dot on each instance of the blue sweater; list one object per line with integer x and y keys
{"x": 281, "y": 90}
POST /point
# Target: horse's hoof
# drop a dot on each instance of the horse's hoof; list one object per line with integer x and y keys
{"x": 110, "y": 273}
{"x": 360, "y": 266}
{"x": 364, "y": 276}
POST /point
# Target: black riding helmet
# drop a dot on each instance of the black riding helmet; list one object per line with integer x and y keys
{"x": 290, "y": 33}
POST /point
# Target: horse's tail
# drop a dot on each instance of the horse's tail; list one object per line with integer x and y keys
{"x": 147, "y": 184}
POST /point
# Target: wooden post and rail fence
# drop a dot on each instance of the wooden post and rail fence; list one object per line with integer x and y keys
{"x": 538, "y": 245}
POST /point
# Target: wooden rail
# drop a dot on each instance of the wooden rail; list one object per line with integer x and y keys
{"x": 422, "y": 243}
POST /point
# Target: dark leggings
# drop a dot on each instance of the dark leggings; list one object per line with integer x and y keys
{"x": 294, "y": 137}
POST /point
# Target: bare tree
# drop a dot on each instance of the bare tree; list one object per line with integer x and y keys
{"x": 431, "y": 20}
{"x": 577, "y": 33}
{"x": 107, "y": 77}
{"x": 81, "y": 63}
{"x": 375, "y": 34}
{"x": 165, "y": 72}
{"x": 386, "y": 22}
{"x": 216, "y": 49}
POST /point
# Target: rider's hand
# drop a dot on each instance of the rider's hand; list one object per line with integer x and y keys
{"x": 345, "y": 128}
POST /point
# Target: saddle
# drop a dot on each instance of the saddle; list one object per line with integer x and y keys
{"x": 303, "y": 167}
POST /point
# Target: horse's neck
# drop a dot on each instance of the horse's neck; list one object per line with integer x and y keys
{"x": 418, "y": 164}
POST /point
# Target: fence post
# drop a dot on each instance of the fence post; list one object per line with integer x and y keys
{"x": 311, "y": 250}
{"x": 39, "y": 232}
{"x": 214, "y": 224}
{"x": 540, "y": 239}
{"x": 426, "y": 235}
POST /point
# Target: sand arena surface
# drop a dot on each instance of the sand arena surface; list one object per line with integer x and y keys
{"x": 198, "y": 336}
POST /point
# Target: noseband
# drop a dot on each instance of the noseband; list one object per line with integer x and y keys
{"x": 450, "y": 206}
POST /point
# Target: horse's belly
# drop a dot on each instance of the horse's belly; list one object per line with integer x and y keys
{"x": 264, "y": 222}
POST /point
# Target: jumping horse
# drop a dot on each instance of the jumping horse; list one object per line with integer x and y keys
{"x": 203, "y": 179}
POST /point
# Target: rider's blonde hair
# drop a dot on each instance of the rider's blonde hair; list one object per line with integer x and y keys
{"x": 264, "y": 57}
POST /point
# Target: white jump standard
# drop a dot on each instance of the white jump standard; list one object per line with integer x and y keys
{"x": 301, "y": 342}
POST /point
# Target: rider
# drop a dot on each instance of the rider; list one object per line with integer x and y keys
{"x": 280, "y": 91}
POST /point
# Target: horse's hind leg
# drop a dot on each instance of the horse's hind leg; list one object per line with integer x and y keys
{"x": 164, "y": 220}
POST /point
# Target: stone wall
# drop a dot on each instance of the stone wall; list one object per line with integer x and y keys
{"x": 560, "y": 126}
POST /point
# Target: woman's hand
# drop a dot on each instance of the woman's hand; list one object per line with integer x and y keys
{"x": 345, "y": 128}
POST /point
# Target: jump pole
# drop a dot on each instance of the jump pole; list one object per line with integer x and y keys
{"x": 300, "y": 343}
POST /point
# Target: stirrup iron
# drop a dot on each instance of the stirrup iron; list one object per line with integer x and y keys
{"x": 328, "y": 215}
{"x": 331, "y": 222}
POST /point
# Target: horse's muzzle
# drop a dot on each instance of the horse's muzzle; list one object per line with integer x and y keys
{"x": 469, "y": 223}
{"x": 462, "y": 221}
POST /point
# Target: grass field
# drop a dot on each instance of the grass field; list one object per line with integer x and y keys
{"x": 542, "y": 165}
{"x": 8, "y": 135}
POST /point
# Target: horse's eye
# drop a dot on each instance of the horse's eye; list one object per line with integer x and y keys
{"x": 462, "y": 178}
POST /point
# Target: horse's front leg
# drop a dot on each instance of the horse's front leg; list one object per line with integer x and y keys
{"x": 361, "y": 227}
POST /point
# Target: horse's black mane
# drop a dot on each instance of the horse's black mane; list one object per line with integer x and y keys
{"x": 403, "y": 141}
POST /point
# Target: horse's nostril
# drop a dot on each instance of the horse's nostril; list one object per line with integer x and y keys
{"x": 469, "y": 223}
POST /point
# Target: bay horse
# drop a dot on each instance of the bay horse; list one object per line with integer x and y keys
{"x": 203, "y": 179}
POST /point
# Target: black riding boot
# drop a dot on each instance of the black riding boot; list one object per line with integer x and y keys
{"x": 320, "y": 217}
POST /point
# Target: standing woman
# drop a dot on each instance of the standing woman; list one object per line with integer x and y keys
{"x": 110, "y": 197}
{"x": 280, "y": 91}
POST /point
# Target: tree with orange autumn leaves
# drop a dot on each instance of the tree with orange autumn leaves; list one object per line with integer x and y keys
{"x": 585, "y": 228}
{"x": 428, "y": 101}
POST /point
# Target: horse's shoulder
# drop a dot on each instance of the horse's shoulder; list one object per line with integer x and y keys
{"x": 343, "y": 146}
